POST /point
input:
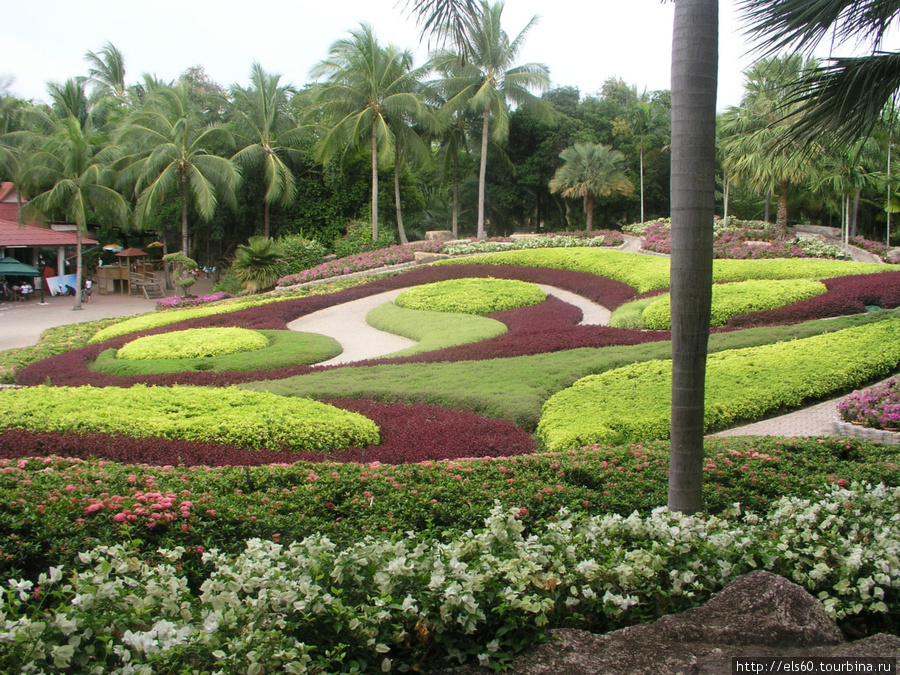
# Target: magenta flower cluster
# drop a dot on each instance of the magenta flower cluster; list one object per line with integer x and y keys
{"x": 173, "y": 302}
{"x": 877, "y": 407}
{"x": 383, "y": 257}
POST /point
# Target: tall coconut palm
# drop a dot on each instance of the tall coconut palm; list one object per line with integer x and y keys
{"x": 590, "y": 170}
{"x": 74, "y": 167}
{"x": 263, "y": 121}
{"x": 173, "y": 153}
{"x": 645, "y": 121}
{"x": 847, "y": 95}
{"x": 488, "y": 81}
{"x": 106, "y": 74}
{"x": 755, "y": 136}
{"x": 694, "y": 67}
{"x": 366, "y": 86}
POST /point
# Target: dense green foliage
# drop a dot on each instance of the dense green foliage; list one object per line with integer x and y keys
{"x": 192, "y": 344}
{"x": 631, "y": 404}
{"x": 228, "y": 416}
{"x": 432, "y": 330}
{"x": 471, "y": 296}
{"x": 283, "y": 349}
{"x": 730, "y": 300}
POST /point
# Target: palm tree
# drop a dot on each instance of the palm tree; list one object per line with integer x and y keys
{"x": 487, "y": 81}
{"x": 69, "y": 99}
{"x": 590, "y": 170}
{"x": 645, "y": 122}
{"x": 694, "y": 66}
{"x": 259, "y": 264}
{"x": 366, "y": 86}
{"x": 263, "y": 120}
{"x": 755, "y": 135}
{"x": 848, "y": 95}
{"x": 173, "y": 153}
{"x": 75, "y": 164}
{"x": 107, "y": 72}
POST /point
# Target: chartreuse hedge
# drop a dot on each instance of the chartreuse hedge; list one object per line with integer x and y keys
{"x": 649, "y": 273}
{"x": 193, "y": 343}
{"x": 471, "y": 296}
{"x": 631, "y": 404}
{"x": 284, "y": 348}
{"x": 432, "y": 330}
{"x": 229, "y": 416}
{"x": 730, "y": 300}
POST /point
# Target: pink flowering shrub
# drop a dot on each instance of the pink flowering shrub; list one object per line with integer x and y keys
{"x": 873, "y": 247}
{"x": 877, "y": 407}
{"x": 173, "y": 302}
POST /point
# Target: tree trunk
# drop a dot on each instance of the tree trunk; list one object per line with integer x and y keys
{"x": 694, "y": 68}
{"x": 400, "y": 229}
{"x": 266, "y": 219}
{"x": 642, "y": 180}
{"x": 589, "y": 211}
{"x": 482, "y": 172}
{"x": 855, "y": 222}
{"x": 184, "y": 218}
{"x": 768, "y": 202}
{"x": 725, "y": 202}
{"x": 781, "y": 220}
{"x": 455, "y": 216}
{"x": 374, "y": 185}
{"x": 78, "y": 268}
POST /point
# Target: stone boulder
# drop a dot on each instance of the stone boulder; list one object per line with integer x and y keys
{"x": 759, "y": 614}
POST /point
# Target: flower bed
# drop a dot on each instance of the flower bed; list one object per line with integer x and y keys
{"x": 877, "y": 407}
{"x": 177, "y": 302}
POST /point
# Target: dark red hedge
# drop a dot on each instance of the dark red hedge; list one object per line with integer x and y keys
{"x": 410, "y": 433}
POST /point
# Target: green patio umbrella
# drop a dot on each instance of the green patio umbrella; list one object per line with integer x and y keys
{"x": 14, "y": 268}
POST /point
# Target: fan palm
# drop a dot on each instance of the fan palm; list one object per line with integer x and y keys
{"x": 259, "y": 264}
{"x": 487, "y": 81}
{"x": 263, "y": 120}
{"x": 590, "y": 170}
{"x": 75, "y": 165}
{"x": 366, "y": 86}
{"x": 173, "y": 152}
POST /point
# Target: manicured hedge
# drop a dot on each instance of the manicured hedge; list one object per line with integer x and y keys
{"x": 285, "y": 349}
{"x": 471, "y": 296}
{"x": 729, "y": 300}
{"x": 632, "y": 403}
{"x": 227, "y": 416}
{"x": 193, "y": 343}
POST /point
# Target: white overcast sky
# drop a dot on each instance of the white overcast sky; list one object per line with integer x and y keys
{"x": 583, "y": 42}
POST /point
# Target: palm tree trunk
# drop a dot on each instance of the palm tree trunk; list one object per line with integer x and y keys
{"x": 855, "y": 223}
{"x": 589, "y": 211}
{"x": 455, "y": 215}
{"x": 266, "y": 219}
{"x": 78, "y": 268}
{"x": 374, "y": 186}
{"x": 482, "y": 172}
{"x": 642, "y": 180}
{"x": 890, "y": 201}
{"x": 694, "y": 68}
{"x": 781, "y": 217}
{"x": 184, "y": 218}
{"x": 400, "y": 229}
{"x": 725, "y": 198}
{"x": 768, "y": 201}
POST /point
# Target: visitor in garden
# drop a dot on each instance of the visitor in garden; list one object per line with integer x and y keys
{"x": 25, "y": 290}
{"x": 86, "y": 292}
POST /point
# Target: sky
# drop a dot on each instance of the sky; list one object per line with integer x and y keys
{"x": 583, "y": 42}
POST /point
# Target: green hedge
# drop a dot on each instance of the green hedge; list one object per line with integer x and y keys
{"x": 229, "y": 416}
{"x": 432, "y": 330}
{"x": 193, "y": 343}
{"x": 471, "y": 296}
{"x": 649, "y": 273}
{"x": 632, "y": 404}
{"x": 285, "y": 349}
{"x": 730, "y": 300}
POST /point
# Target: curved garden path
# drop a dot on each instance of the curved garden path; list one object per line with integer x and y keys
{"x": 346, "y": 323}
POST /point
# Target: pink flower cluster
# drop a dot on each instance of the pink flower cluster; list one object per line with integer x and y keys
{"x": 170, "y": 303}
{"x": 877, "y": 407}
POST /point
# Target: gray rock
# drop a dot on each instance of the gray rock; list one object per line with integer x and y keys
{"x": 757, "y": 615}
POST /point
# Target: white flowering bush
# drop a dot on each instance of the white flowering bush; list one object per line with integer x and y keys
{"x": 556, "y": 241}
{"x": 392, "y": 603}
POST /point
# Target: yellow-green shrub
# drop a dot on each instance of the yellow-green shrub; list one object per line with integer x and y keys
{"x": 471, "y": 296}
{"x": 193, "y": 343}
{"x": 228, "y": 416}
{"x": 730, "y": 300}
{"x": 631, "y": 404}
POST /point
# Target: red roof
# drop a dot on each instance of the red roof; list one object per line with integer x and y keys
{"x": 13, "y": 234}
{"x": 6, "y": 189}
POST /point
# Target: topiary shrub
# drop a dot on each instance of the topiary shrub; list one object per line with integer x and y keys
{"x": 193, "y": 343}
{"x": 471, "y": 296}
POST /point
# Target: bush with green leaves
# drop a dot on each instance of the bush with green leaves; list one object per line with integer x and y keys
{"x": 358, "y": 239}
{"x": 284, "y": 348}
{"x": 471, "y": 296}
{"x": 193, "y": 343}
{"x": 432, "y": 330}
{"x": 258, "y": 264}
{"x": 403, "y": 602}
{"x": 555, "y": 241}
{"x": 228, "y": 416}
{"x": 741, "y": 297}
{"x": 632, "y": 404}
{"x": 301, "y": 253}
{"x": 630, "y": 315}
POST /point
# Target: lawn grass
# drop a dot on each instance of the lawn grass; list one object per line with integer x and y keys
{"x": 285, "y": 349}
{"x": 432, "y": 330}
{"x": 516, "y": 388}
